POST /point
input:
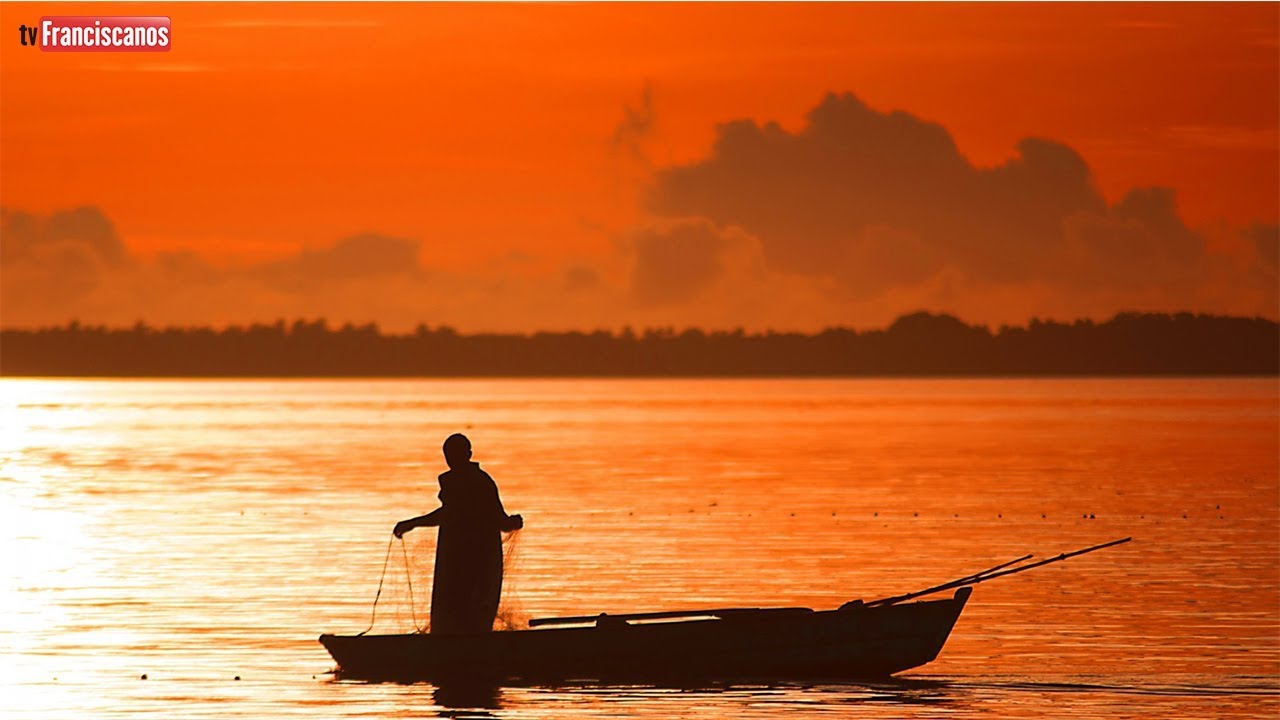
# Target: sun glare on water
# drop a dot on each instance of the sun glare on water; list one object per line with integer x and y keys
{"x": 44, "y": 540}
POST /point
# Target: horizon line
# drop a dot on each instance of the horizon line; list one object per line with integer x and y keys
{"x": 423, "y": 327}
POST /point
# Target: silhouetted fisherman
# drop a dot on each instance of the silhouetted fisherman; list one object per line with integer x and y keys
{"x": 468, "y": 574}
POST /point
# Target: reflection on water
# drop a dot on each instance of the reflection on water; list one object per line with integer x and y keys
{"x": 199, "y": 531}
{"x": 467, "y": 701}
{"x": 917, "y": 696}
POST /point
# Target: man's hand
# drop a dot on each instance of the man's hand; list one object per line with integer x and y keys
{"x": 514, "y": 522}
{"x": 401, "y": 528}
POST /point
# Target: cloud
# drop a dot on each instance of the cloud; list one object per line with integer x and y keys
{"x": 1266, "y": 239}
{"x": 855, "y": 218}
{"x": 71, "y": 265}
{"x": 818, "y": 197}
{"x": 882, "y": 201}
{"x": 368, "y": 255}
{"x": 676, "y": 262}
{"x": 25, "y": 234}
{"x": 852, "y": 172}
{"x": 49, "y": 264}
{"x": 1139, "y": 242}
{"x": 581, "y": 277}
{"x": 636, "y": 125}
{"x": 881, "y": 257}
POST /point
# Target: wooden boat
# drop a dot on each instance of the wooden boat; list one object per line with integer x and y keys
{"x": 856, "y": 641}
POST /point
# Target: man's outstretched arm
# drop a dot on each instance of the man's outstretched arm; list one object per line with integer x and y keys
{"x": 431, "y": 519}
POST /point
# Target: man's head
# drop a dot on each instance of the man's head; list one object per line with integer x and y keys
{"x": 457, "y": 450}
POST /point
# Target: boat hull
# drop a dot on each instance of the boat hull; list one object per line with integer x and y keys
{"x": 851, "y": 643}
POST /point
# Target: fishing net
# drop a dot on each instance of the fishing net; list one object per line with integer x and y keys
{"x": 402, "y": 603}
{"x": 511, "y": 614}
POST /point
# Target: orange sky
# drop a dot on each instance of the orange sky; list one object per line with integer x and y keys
{"x": 487, "y": 133}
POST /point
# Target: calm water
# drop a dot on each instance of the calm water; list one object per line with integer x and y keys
{"x": 198, "y": 531}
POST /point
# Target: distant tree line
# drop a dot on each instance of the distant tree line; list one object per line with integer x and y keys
{"x": 920, "y": 344}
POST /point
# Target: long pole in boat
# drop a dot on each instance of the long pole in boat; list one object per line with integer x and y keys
{"x": 974, "y": 576}
{"x": 1001, "y": 566}
{"x": 723, "y": 613}
{"x": 986, "y": 575}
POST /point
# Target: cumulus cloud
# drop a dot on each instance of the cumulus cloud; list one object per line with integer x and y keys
{"x": 882, "y": 201}
{"x": 676, "y": 262}
{"x": 49, "y": 264}
{"x": 1140, "y": 241}
{"x": 25, "y": 234}
{"x": 815, "y": 195}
